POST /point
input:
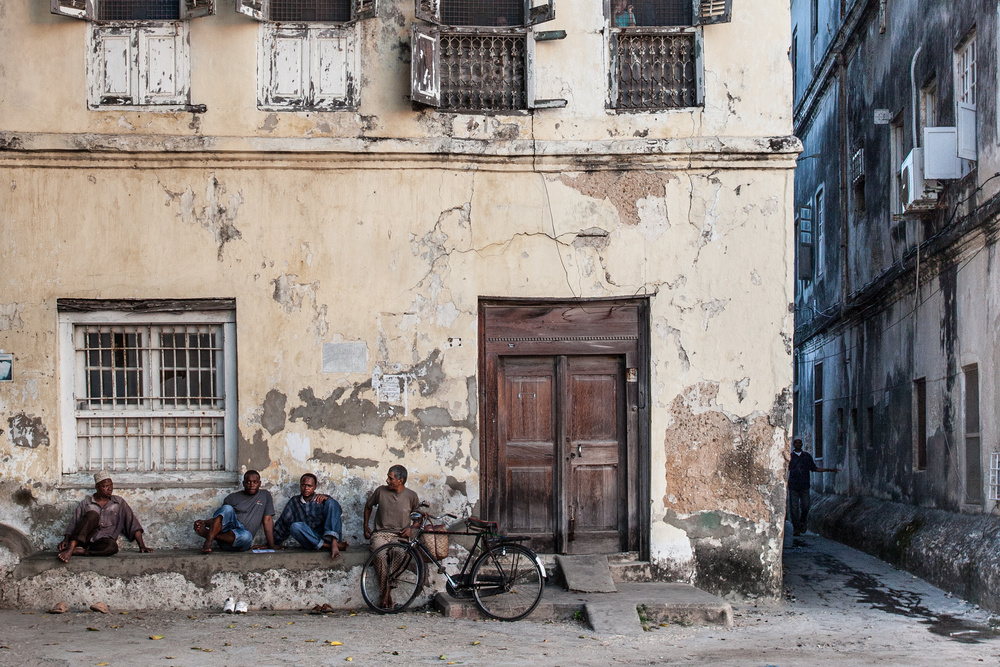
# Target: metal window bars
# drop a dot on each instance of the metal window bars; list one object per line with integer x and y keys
{"x": 138, "y": 10}
{"x": 625, "y": 13}
{"x": 483, "y": 71}
{"x": 150, "y": 397}
{"x": 655, "y": 70}
{"x": 995, "y": 476}
{"x": 483, "y": 13}
{"x": 333, "y": 11}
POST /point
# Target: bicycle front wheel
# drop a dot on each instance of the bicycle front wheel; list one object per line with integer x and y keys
{"x": 507, "y": 582}
{"x": 391, "y": 578}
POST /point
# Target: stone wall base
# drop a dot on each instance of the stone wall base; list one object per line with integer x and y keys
{"x": 959, "y": 553}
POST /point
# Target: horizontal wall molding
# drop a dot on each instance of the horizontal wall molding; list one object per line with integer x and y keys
{"x": 159, "y": 151}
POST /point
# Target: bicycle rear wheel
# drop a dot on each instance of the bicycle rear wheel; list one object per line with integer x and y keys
{"x": 391, "y": 578}
{"x": 507, "y": 582}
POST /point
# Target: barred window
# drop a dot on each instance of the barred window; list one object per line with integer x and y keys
{"x": 654, "y": 47}
{"x": 152, "y": 395}
{"x": 138, "y": 10}
{"x": 655, "y": 71}
{"x": 483, "y": 71}
{"x": 333, "y": 11}
{"x": 482, "y": 12}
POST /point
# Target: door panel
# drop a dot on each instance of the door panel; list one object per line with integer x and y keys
{"x": 561, "y": 437}
{"x": 595, "y": 442}
{"x": 527, "y": 454}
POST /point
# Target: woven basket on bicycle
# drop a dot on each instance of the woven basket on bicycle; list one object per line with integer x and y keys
{"x": 436, "y": 543}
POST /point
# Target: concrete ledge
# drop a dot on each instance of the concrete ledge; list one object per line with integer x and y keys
{"x": 957, "y": 552}
{"x": 188, "y": 579}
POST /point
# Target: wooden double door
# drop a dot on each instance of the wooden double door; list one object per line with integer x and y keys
{"x": 561, "y": 459}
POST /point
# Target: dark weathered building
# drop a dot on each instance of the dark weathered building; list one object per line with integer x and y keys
{"x": 897, "y": 302}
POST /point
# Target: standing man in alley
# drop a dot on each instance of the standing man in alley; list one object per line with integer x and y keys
{"x": 799, "y": 468}
{"x": 98, "y": 521}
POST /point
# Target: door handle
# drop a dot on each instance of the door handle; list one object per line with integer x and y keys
{"x": 579, "y": 450}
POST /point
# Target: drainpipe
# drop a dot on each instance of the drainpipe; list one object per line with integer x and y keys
{"x": 913, "y": 93}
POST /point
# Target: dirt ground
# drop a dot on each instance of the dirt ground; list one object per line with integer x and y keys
{"x": 841, "y": 607}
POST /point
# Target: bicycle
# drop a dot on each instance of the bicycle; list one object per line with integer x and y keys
{"x": 504, "y": 577}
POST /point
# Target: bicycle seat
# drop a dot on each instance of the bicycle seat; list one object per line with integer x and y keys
{"x": 480, "y": 526}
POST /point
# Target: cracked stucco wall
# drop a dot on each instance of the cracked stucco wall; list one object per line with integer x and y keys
{"x": 357, "y": 245}
{"x": 398, "y": 269}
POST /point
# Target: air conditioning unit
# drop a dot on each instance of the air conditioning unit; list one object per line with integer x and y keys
{"x": 918, "y": 195}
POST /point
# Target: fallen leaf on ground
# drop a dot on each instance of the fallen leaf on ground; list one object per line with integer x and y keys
{"x": 93, "y": 629}
{"x": 443, "y": 657}
{"x": 156, "y": 636}
{"x": 475, "y": 643}
{"x": 402, "y": 627}
{"x": 349, "y": 659}
{"x": 116, "y": 626}
{"x": 310, "y": 640}
{"x": 334, "y": 643}
{"x": 103, "y": 664}
{"x": 231, "y": 626}
{"x": 227, "y": 644}
{"x": 290, "y": 623}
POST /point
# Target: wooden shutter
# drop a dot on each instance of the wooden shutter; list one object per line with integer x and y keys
{"x": 965, "y": 118}
{"x": 78, "y": 9}
{"x": 163, "y": 73}
{"x": 194, "y": 9}
{"x": 284, "y": 67}
{"x": 113, "y": 80}
{"x": 707, "y": 12}
{"x": 428, "y": 10}
{"x": 363, "y": 9}
{"x": 530, "y": 80}
{"x": 328, "y": 67}
{"x": 539, "y": 11}
{"x": 425, "y": 67}
{"x": 258, "y": 9}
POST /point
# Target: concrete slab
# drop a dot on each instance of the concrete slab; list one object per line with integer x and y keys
{"x": 616, "y": 613}
{"x": 587, "y": 573}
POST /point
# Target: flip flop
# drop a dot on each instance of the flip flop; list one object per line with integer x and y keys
{"x": 316, "y": 610}
{"x": 59, "y": 608}
{"x": 326, "y": 609}
{"x": 100, "y": 607}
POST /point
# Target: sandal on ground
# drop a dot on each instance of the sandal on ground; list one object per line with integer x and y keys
{"x": 100, "y": 607}
{"x": 59, "y": 608}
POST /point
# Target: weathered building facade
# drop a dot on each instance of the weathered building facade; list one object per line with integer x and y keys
{"x": 896, "y": 294}
{"x": 543, "y": 260}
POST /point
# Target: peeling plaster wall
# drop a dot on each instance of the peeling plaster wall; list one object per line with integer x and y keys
{"x": 357, "y": 246}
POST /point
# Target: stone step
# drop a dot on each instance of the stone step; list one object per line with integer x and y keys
{"x": 620, "y": 613}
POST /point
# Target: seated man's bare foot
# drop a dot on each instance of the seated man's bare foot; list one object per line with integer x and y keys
{"x": 65, "y": 555}
{"x": 207, "y": 547}
{"x": 201, "y": 527}
{"x": 79, "y": 551}
{"x": 343, "y": 546}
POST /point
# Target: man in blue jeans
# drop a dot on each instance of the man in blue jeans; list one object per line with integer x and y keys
{"x": 233, "y": 525}
{"x": 799, "y": 468}
{"x": 313, "y": 519}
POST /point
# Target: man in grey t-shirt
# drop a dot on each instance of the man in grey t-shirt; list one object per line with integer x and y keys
{"x": 234, "y": 524}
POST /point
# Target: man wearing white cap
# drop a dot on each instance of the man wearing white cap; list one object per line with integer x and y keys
{"x": 98, "y": 521}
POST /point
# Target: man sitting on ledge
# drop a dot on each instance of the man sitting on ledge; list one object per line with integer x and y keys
{"x": 98, "y": 521}
{"x": 233, "y": 525}
{"x": 308, "y": 516}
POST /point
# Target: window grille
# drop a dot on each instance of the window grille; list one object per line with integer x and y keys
{"x": 625, "y": 13}
{"x": 858, "y": 165}
{"x": 656, "y": 70}
{"x": 482, "y": 13}
{"x": 995, "y": 476}
{"x": 333, "y": 11}
{"x": 138, "y": 10}
{"x": 483, "y": 71}
{"x": 149, "y": 397}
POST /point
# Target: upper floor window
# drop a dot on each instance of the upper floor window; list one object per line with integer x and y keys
{"x": 654, "y": 48}
{"x": 478, "y": 55}
{"x": 965, "y": 71}
{"x": 307, "y": 58}
{"x": 138, "y": 53}
{"x": 148, "y": 389}
{"x": 819, "y": 209}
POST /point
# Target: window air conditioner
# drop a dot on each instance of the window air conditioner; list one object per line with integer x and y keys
{"x": 918, "y": 194}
